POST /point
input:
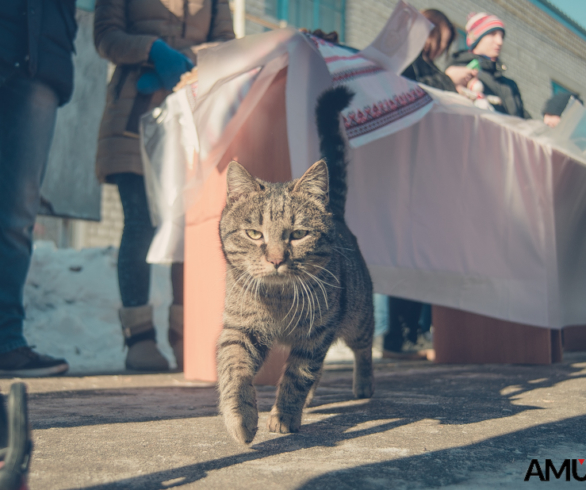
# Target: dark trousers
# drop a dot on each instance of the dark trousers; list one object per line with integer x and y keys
{"x": 27, "y": 120}
{"x": 408, "y": 316}
{"x": 403, "y": 315}
{"x": 134, "y": 272}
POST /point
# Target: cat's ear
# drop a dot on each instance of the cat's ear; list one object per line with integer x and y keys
{"x": 240, "y": 182}
{"x": 315, "y": 181}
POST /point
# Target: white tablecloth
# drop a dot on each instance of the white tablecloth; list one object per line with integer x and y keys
{"x": 465, "y": 210}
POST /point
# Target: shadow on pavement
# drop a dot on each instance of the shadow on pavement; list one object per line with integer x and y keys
{"x": 497, "y": 462}
{"x": 444, "y": 395}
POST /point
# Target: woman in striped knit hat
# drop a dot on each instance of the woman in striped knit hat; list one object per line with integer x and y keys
{"x": 485, "y": 35}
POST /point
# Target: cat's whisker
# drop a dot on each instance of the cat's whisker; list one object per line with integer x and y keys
{"x": 313, "y": 300}
{"x": 328, "y": 271}
{"x": 295, "y": 302}
{"x": 314, "y": 293}
{"x": 236, "y": 281}
{"x": 242, "y": 293}
{"x": 309, "y": 304}
{"x": 342, "y": 248}
{"x": 342, "y": 253}
{"x": 258, "y": 286}
{"x": 323, "y": 290}
{"x": 318, "y": 302}
{"x": 302, "y": 308}
{"x": 292, "y": 305}
{"x": 248, "y": 283}
{"x": 322, "y": 281}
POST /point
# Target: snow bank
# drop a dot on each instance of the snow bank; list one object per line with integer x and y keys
{"x": 72, "y": 299}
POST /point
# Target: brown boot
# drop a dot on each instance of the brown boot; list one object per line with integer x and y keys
{"x": 175, "y": 334}
{"x": 139, "y": 336}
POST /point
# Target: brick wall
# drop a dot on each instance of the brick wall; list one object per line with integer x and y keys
{"x": 109, "y": 230}
{"x": 85, "y": 234}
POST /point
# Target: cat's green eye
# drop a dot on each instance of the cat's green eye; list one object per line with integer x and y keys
{"x": 298, "y": 234}
{"x": 254, "y": 234}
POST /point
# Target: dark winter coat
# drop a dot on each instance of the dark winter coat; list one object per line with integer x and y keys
{"x": 424, "y": 71}
{"x": 491, "y": 74}
{"x": 36, "y": 36}
{"x": 124, "y": 31}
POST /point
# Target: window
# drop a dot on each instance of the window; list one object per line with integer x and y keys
{"x": 558, "y": 88}
{"x": 460, "y": 42}
{"x": 327, "y": 15}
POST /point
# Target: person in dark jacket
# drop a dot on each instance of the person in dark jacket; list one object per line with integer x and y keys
{"x": 485, "y": 36}
{"x": 423, "y": 69}
{"x": 36, "y": 77}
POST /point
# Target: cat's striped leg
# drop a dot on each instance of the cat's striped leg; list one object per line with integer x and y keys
{"x": 313, "y": 388}
{"x": 303, "y": 369}
{"x": 360, "y": 341}
{"x": 240, "y": 356}
{"x": 363, "y": 382}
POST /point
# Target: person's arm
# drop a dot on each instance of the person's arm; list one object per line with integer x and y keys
{"x": 111, "y": 39}
{"x": 460, "y": 75}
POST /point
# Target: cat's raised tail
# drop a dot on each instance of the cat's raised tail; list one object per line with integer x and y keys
{"x": 332, "y": 144}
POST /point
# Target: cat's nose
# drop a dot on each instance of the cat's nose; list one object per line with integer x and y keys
{"x": 276, "y": 260}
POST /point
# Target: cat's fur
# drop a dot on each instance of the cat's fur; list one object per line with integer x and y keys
{"x": 302, "y": 292}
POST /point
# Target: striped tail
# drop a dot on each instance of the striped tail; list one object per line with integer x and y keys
{"x": 332, "y": 144}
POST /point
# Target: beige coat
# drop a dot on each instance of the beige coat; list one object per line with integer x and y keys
{"x": 124, "y": 31}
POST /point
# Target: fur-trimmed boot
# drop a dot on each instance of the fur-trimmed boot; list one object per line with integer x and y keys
{"x": 139, "y": 336}
{"x": 175, "y": 334}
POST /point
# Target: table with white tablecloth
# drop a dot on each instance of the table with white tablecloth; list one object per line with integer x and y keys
{"x": 452, "y": 205}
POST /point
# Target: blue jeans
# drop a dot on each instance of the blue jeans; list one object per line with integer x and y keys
{"x": 27, "y": 120}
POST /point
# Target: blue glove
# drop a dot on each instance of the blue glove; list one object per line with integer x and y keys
{"x": 149, "y": 82}
{"x": 170, "y": 64}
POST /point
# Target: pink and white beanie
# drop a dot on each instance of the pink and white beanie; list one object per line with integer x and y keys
{"x": 480, "y": 24}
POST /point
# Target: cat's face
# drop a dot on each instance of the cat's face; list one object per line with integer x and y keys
{"x": 276, "y": 232}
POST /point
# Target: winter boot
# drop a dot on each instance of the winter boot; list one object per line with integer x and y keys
{"x": 175, "y": 334}
{"x": 139, "y": 336}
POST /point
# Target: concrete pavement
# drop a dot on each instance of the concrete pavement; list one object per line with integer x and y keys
{"x": 428, "y": 426}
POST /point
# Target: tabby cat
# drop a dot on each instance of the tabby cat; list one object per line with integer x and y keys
{"x": 294, "y": 275}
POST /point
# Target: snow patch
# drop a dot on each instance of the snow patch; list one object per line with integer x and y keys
{"x": 71, "y": 300}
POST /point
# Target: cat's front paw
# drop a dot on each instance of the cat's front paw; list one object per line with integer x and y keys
{"x": 242, "y": 426}
{"x": 363, "y": 388}
{"x": 283, "y": 423}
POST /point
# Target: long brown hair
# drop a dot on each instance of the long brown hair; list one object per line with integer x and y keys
{"x": 433, "y": 42}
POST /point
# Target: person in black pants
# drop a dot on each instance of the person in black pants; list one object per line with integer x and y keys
{"x": 152, "y": 43}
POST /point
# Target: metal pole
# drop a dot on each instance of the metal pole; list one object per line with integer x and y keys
{"x": 239, "y": 18}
